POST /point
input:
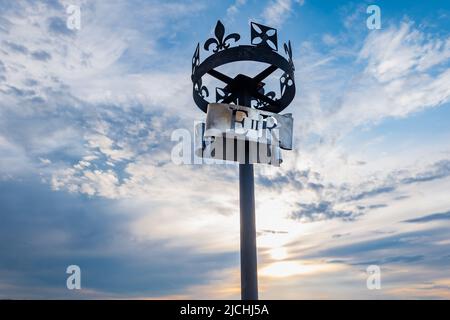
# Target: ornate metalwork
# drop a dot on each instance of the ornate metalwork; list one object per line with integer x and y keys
{"x": 222, "y": 95}
{"x": 201, "y": 90}
{"x": 196, "y": 58}
{"x": 263, "y": 48}
{"x": 264, "y": 36}
{"x": 220, "y": 41}
{"x": 288, "y": 50}
{"x": 261, "y": 104}
{"x": 285, "y": 81}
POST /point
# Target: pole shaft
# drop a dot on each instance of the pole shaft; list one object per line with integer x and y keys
{"x": 249, "y": 273}
{"x": 249, "y": 267}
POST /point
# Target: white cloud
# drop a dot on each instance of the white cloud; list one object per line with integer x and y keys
{"x": 407, "y": 71}
{"x": 233, "y": 10}
{"x": 277, "y": 11}
{"x": 397, "y": 71}
{"x": 329, "y": 40}
{"x": 399, "y": 52}
{"x": 87, "y": 62}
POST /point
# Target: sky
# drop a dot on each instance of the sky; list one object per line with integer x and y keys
{"x": 87, "y": 178}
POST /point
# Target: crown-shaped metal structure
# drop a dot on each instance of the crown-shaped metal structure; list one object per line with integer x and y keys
{"x": 263, "y": 48}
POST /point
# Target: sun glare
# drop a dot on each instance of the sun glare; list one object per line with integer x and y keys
{"x": 290, "y": 268}
{"x": 279, "y": 253}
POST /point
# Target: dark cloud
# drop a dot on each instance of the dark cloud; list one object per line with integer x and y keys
{"x": 42, "y": 232}
{"x": 5, "y": 24}
{"x": 315, "y": 186}
{"x": 432, "y": 286}
{"x": 56, "y": 4}
{"x": 340, "y": 235}
{"x": 37, "y": 100}
{"x": 390, "y": 245}
{"x": 57, "y": 25}
{"x": 383, "y": 232}
{"x": 41, "y": 55}
{"x": 430, "y": 217}
{"x": 332, "y": 195}
{"x": 439, "y": 170}
{"x": 421, "y": 248}
{"x": 20, "y": 92}
{"x": 372, "y": 206}
{"x": 322, "y": 211}
{"x": 2, "y": 71}
{"x": 297, "y": 179}
{"x": 262, "y": 232}
{"x": 30, "y": 82}
{"x": 18, "y": 48}
{"x": 403, "y": 197}
{"x": 391, "y": 260}
{"x": 371, "y": 193}
{"x": 293, "y": 178}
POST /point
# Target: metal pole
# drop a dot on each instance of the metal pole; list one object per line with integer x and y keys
{"x": 249, "y": 272}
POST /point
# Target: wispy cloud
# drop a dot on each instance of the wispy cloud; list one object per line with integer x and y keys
{"x": 277, "y": 11}
{"x": 431, "y": 217}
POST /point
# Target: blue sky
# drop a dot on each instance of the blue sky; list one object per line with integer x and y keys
{"x": 86, "y": 175}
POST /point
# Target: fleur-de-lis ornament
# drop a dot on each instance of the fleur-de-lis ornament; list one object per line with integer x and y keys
{"x": 220, "y": 42}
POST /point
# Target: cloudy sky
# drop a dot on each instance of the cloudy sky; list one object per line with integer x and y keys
{"x": 86, "y": 175}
